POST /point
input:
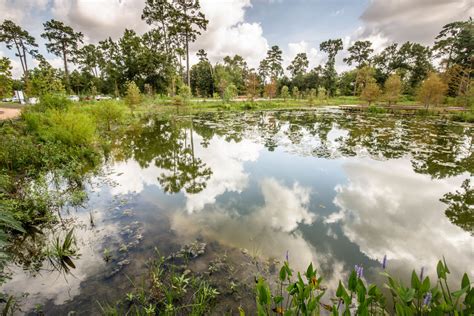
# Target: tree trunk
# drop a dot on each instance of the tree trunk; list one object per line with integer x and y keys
{"x": 66, "y": 72}
{"x": 187, "y": 60}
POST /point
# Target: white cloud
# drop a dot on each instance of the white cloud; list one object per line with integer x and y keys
{"x": 227, "y": 32}
{"x": 315, "y": 57}
{"x": 99, "y": 19}
{"x": 408, "y": 20}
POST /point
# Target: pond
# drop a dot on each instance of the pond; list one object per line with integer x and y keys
{"x": 328, "y": 187}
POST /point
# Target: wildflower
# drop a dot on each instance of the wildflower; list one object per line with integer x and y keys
{"x": 384, "y": 262}
{"x": 359, "y": 270}
{"x": 427, "y": 299}
{"x": 421, "y": 273}
{"x": 287, "y": 256}
{"x": 314, "y": 282}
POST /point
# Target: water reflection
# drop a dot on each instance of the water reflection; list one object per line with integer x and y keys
{"x": 402, "y": 217}
{"x": 333, "y": 188}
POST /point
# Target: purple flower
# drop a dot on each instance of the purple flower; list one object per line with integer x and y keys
{"x": 427, "y": 299}
{"x": 421, "y": 273}
{"x": 359, "y": 270}
{"x": 384, "y": 262}
{"x": 287, "y": 256}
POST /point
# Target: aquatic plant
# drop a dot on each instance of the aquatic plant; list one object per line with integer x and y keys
{"x": 360, "y": 298}
{"x": 62, "y": 253}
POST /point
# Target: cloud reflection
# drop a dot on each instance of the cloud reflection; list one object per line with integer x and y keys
{"x": 268, "y": 231}
{"x": 226, "y": 160}
{"x": 397, "y": 212}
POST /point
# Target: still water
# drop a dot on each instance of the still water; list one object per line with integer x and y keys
{"x": 334, "y": 188}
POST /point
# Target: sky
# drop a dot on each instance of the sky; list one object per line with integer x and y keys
{"x": 250, "y": 27}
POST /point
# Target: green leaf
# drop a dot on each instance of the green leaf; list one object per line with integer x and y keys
{"x": 415, "y": 281}
{"x": 352, "y": 281}
{"x": 425, "y": 286}
{"x": 341, "y": 291}
{"x": 282, "y": 274}
{"x": 465, "y": 281}
{"x": 278, "y": 299}
{"x": 440, "y": 270}
{"x": 446, "y": 266}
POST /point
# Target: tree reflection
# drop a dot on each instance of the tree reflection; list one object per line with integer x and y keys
{"x": 169, "y": 145}
{"x": 460, "y": 209}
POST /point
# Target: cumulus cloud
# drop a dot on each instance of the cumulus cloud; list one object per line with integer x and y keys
{"x": 100, "y": 19}
{"x": 227, "y": 32}
{"x": 408, "y": 20}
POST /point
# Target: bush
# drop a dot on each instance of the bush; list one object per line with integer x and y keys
{"x": 53, "y": 101}
{"x": 68, "y": 127}
{"x": 109, "y": 113}
{"x": 132, "y": 95}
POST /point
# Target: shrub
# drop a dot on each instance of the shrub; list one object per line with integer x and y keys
{"x": 185, "y": 93}
{"x": 393, "y": 88}
{"x": 371, "y": 92}
{"x": 68, "y": 127}
{"x": 230, "y": 92}
{"x": 132, "y": 95}
{"x": 432, "y": 90}
{"x": 53, "y": 101}
{"x": 285, "y": 92}
{"x": 109, "y": 113}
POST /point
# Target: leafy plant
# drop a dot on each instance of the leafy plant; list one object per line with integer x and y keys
{"x": 62, "y": 253}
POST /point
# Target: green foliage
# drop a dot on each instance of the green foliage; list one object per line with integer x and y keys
{"x": 53, "y": 102}
{"x": 356, "y": 297}
{"x": 371, "y": 92}
{"x": 295, "y": 92}
{"x": 71, "y": 128}
{"x": 230, "y": 92}
{"x": 284, "y": 93}
{"x": 169, "y": 292}
{"x": 6, "y": 82}
{"x": 62, "y": 253}
{"x": 302, "y": 296}
{"x": 392, "y": 89}
{"x": 44, "y": 80}
{"x": 109, "y": 113}
{"x": 432, "y": 91}
{"x": 132, "y": 95}
{"x": 185, "y": 93}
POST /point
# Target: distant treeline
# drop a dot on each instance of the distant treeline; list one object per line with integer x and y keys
{"x": 158, "y": 61}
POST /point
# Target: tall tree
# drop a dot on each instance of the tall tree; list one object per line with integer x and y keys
{"x": 6, "y": 81}
{"x": 189, "y": 22}
{"x": 331, "y": 47}
{"x": 455, "y": 44}
{"x": 275, "y": 59}
{"x": 299, "y": 65}
{"x": 89, "y": 58}
{"x": 15, "y": 37}
{"x": 63, "y": 42}
{"x": 359, "y": 53}
{"x": 202, "y": 78}
{"x": 414, "y": 64}
{"x": 238, "y": 70}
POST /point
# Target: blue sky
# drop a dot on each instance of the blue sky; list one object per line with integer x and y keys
{"x": 312, "y": 21}
{"x": 250, "y": 27}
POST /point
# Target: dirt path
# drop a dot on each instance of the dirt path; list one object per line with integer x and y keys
{"x": 9, "y": 113}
